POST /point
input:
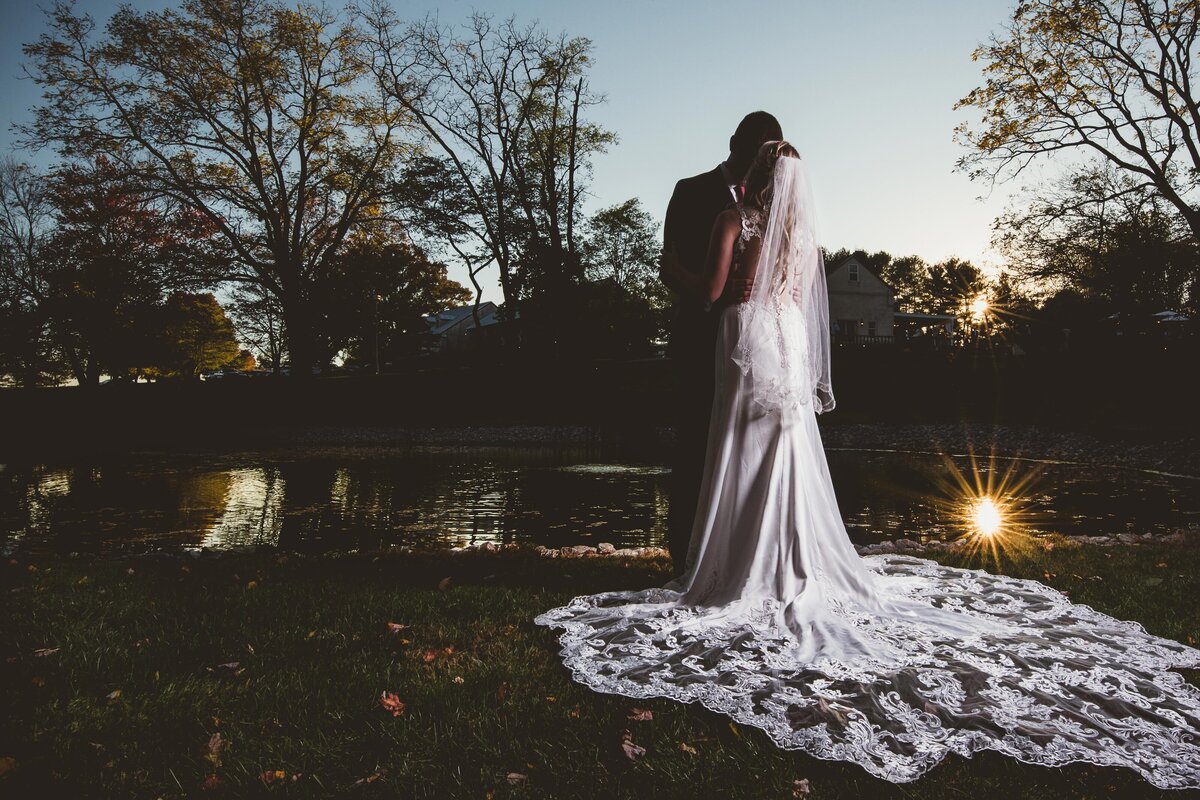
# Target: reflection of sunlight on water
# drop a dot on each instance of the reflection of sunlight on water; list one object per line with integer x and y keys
{"x": 992, "y": 505}
{"x": 50, "y": 485}
{"x": 253, "y": 510}
{"x": 333, "y": 503}
{"x": 613, "y": 469}
{"x": 472, "y": 509}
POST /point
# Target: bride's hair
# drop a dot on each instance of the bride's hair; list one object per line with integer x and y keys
{"x": 758, "y": 177}
{"x": 758, "y": 188}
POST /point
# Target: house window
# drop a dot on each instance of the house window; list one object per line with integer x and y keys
{"x": 854, "y": 273}
{"x": 871, "y": 328}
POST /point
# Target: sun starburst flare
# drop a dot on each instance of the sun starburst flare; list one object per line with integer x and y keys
{"x": 991, "y": 504}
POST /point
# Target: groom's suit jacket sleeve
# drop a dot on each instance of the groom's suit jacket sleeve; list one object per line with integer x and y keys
{"x": 693, "y": 208}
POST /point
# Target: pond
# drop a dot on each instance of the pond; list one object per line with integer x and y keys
{"x": 366, "y": 498}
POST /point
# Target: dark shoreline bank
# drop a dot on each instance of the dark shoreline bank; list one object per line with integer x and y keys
{"x": 1143, "y": 450}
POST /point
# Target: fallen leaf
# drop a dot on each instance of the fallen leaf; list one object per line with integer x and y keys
{"x": 458, "y": 679}
{"x": 1154, "y": 581}
{"x": 735, "y": 730}
{"x": 213, "y": 753}
{"x": 211, "y": 782}
{"x": 46, "y": 651}
{"x": 273, "y": 776}
{"x": 502, "y": 691}
{"x": 632, "y": 751}
{"x": 574, "y": 712}
{"x": 640, "y": 714}
{"x": 800, "y": 788}
{"x": 371, "y": 778}
{"x": 429, "y": 654}
{"x": 392, "y": 703}
{"x": 444, "y": 583}
{"x": 551, "y": 698}
{"x": 1161, "y": 564}
{"x": 396, "y": 627}
{"x": 38, "y": 680}
{"x": 1049, "y": 576}
{"x": 114, "y": 694}
{"x": 517, "y": 778}
{"x": 687, "y": 748}
{"x": 251, "y": 584}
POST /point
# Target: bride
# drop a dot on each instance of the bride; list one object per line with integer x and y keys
{"x": 888, "y": 661}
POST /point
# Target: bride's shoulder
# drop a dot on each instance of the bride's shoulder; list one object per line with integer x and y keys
{"x": 729, "y": 219}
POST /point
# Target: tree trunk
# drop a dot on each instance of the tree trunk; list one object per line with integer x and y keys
{"x": 93, "y": 372}
{"x": 301, "y": 341}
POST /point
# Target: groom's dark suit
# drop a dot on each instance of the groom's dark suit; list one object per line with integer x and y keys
{"x": 691, "y": 213}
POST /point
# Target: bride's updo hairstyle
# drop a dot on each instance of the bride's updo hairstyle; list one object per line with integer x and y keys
{"x": 758, "y": 177}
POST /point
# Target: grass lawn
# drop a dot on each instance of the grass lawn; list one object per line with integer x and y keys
{"x": 118, "y": 674}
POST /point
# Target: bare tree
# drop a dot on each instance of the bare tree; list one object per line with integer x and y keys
{"x": 1115, "y": 79}
{"x": 502, "y": 107}
{"x": 262, "y": 115}
{"x": 26, "y": 231}
{"x": 259, "y": 323}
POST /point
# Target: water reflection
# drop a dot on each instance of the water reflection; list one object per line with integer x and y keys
{"x": 251, "y": 511}
{"x": 368, "y": 499}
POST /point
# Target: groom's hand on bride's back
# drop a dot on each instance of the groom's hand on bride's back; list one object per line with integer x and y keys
{"x": 740, "y": 289}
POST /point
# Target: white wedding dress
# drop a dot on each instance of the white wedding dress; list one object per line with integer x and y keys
{"x": 887, "y": 661}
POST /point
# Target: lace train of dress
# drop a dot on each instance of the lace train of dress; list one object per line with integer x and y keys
{"x": 887, "y": 661}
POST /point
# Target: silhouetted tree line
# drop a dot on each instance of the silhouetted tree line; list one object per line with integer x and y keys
{"x": 302, "y": 162}
{"x": 318, "y": 156}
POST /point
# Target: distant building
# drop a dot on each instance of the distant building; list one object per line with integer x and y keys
{"x": 915, "y": 326}
{"x": 455, "y": 329}
{"x": 861, "y": 304}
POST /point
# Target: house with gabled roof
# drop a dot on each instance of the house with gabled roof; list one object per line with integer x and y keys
{"x": 862, "y": 305}
{"x": 453, "y": 329}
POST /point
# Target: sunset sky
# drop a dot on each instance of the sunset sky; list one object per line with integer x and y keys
{"x": 864, "y": 89}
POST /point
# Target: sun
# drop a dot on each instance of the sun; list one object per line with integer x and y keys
{"x": 986, "y": 516}
{"x": 990, "y": 501}
{"x": 980, "y": 307}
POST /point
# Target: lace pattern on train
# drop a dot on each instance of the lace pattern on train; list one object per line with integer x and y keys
{"x": 1065, "y": 684}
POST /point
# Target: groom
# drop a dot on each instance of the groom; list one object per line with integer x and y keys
{"x": 694, "y": 207}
